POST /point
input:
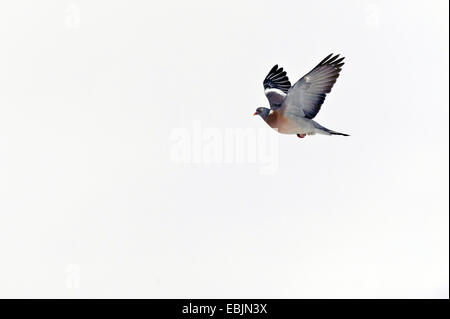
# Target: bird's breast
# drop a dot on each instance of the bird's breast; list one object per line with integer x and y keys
{"x": 281, "y": 123}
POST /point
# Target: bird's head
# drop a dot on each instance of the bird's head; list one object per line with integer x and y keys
{"x": 263, "y": 112}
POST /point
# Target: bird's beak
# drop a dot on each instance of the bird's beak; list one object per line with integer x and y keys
{"x": 256, "y": 113}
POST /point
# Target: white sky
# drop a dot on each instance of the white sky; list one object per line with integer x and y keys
{"x": 91, "y": 204}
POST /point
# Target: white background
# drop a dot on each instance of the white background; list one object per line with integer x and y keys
{"x": 91, "y": 204}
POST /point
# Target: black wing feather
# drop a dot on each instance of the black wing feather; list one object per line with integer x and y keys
{"x": 277, "y": 79}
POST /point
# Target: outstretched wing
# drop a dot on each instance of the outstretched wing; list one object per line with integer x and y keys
{"x": 276, "y": 85}
{"x": 306, "y": 96}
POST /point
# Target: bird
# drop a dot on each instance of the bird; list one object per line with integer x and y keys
{"x": 292, "y": 108}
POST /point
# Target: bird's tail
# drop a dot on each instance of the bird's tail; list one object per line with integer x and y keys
{"x": 323, "y": 130}
{"x": 336, "y": 133}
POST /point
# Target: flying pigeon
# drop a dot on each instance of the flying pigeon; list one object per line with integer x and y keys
{"x": 292, "y": 108}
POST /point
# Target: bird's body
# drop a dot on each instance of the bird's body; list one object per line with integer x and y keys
{"x": 292, "y": 108}
{"x": 289, "y": 124}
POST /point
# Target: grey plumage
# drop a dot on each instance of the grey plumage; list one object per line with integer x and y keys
{"x": 308, "y": 94}
{"x": 331, "y": 132}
